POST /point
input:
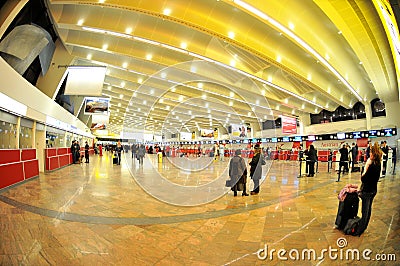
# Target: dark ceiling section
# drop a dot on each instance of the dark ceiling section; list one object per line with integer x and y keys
{"x": 34, "y": 12}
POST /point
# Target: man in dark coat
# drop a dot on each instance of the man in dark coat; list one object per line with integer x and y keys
{"x": 256, "y": 164}
{"x": 86, "y": 152}
{"x": 354, "y": 155}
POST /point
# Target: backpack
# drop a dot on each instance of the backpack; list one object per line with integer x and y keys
{"x": 352, "y": 226}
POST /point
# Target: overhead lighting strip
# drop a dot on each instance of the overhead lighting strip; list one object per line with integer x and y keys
{"x": 206, "y": 59}
{"x": 289, "y": 33}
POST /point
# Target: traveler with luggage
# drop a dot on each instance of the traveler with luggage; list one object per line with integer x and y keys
{"x": 369, "y": 179}
{"x": 238, "y": 173}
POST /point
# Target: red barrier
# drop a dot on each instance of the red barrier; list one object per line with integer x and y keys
{"x": 9, "y": 156}
{"x": 17, "y": 165}
{"x": 11, "y": 174}
{"x": 31, "y": 168}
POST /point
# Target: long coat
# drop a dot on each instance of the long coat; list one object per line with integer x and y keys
{"x": 237, "y": 169}
{"x": 256, "y": 164}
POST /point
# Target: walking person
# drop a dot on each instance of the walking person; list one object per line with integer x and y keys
{"x": 369, "y": 179}
{"x": 256, "y": 164}
{"x": 238, "y": 173}
{"x": 140, "y": 153}
{"x": 312, "y": 158}
{"x": 86, "y": 152}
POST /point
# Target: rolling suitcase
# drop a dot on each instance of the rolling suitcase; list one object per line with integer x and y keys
{"x": 347, "y": 209}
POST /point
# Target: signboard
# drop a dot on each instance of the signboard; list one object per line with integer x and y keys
{"x": 289, "y": 125}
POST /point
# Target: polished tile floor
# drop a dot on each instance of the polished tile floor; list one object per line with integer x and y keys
{"x": 178, "y": 212}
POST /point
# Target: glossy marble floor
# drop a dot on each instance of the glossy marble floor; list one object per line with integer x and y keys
{"x": 178, "y": 212}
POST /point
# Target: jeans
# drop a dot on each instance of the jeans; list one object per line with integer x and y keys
{"x": 367, "y": 198}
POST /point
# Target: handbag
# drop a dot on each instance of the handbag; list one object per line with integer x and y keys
{"x": 228, "y": 183}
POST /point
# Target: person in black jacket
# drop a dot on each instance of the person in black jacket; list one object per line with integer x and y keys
{"x": 369, "y": 179}
{"x": 256, "y": 169}
{"x": 86, "y": 152}
{"x": 312, "y": 158}
{"x": 385, "y": 150}
{"x": 344, "y": 160}
{"x": 354, "y": 155}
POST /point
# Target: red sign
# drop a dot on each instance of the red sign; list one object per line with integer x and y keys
{"x": 289, "y": 125}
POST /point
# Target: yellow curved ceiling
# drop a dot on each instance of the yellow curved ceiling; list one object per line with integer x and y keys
{"x": 254, "y": 59}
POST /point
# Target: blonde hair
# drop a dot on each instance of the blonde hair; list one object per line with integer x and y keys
{"x": 377, "y": 153}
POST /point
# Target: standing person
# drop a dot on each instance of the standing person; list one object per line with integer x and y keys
{"x": 221, "y": 152}
{"x": 140, "y": 153}
{"x": 238, "y": 173}
{"x": 312, "y": 158}
{"x": 368, "y": 151}
{"x": 385, "y": 150}
{"x": 100, "y": 150}
{"x": 86, "y": 152}
{"x": 256, "y": 169}
{"x": 73, "y": 151}
{"x": 344, "y": 158}
{"x": 119, "y": 151}
{"x": 354, "y": 155}
{"x": 305, "y": 156}
{"x": 77, "y": 150}
{"x": 369, "y": 179}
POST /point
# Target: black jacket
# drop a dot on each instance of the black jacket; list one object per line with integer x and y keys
{"x": 256, "y": 164}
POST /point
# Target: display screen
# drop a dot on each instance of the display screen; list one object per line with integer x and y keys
{"x": 285, "y": 139}
{"x": 388, "y": 132}
{"x": 356, "y": 135}
{"x": 373, "y": 133}
{"x": 297, "y": 138}
{"x": 95, "y": 105}
{"x": 341, "y": 136}
{"x": 311, "y": 138}
{"x": 274, "y": 140}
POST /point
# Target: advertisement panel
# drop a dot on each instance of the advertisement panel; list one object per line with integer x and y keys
{"x": 289, "y": 125}
{"x": 95, "y": 105}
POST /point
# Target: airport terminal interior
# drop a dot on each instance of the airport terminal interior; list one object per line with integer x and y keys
{"x": 122, "y": 122}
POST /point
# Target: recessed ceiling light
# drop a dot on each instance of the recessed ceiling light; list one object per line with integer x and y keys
{"x": 80, "y": 22}
{"x": 167, "y": 11}
{"x": 105, "y": 46}
{"x": 123, "y": 84}
{"x": 230, "y": 103}
{"x": 291, "y": 25}
{"x": 149, "y": 56}
{"x": 125, "y": 65}
{"x": 161, "y": 100}
{"x": 89, "y": 56}
{"x": 128, "y": 30}
{"x": 121, "y": 96}
{"x": 232, "y": 62}
{"x": 163, "y": 75}
{"x": 183, "y": 45}
{"x": 232, "y": 94}
{"x": 140, "y": 80}
{"x": 231, "y": 34}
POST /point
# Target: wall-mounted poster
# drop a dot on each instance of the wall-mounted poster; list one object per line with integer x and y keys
{"x": 240, "y": 131}
{"x": 207, "y": 133}
{"x": 94, "y": 105}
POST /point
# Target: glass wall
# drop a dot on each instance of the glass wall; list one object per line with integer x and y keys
{"x": 55, "y": 138}
{"x": 25, "y": 134}
{"x": 8, "y": 136}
